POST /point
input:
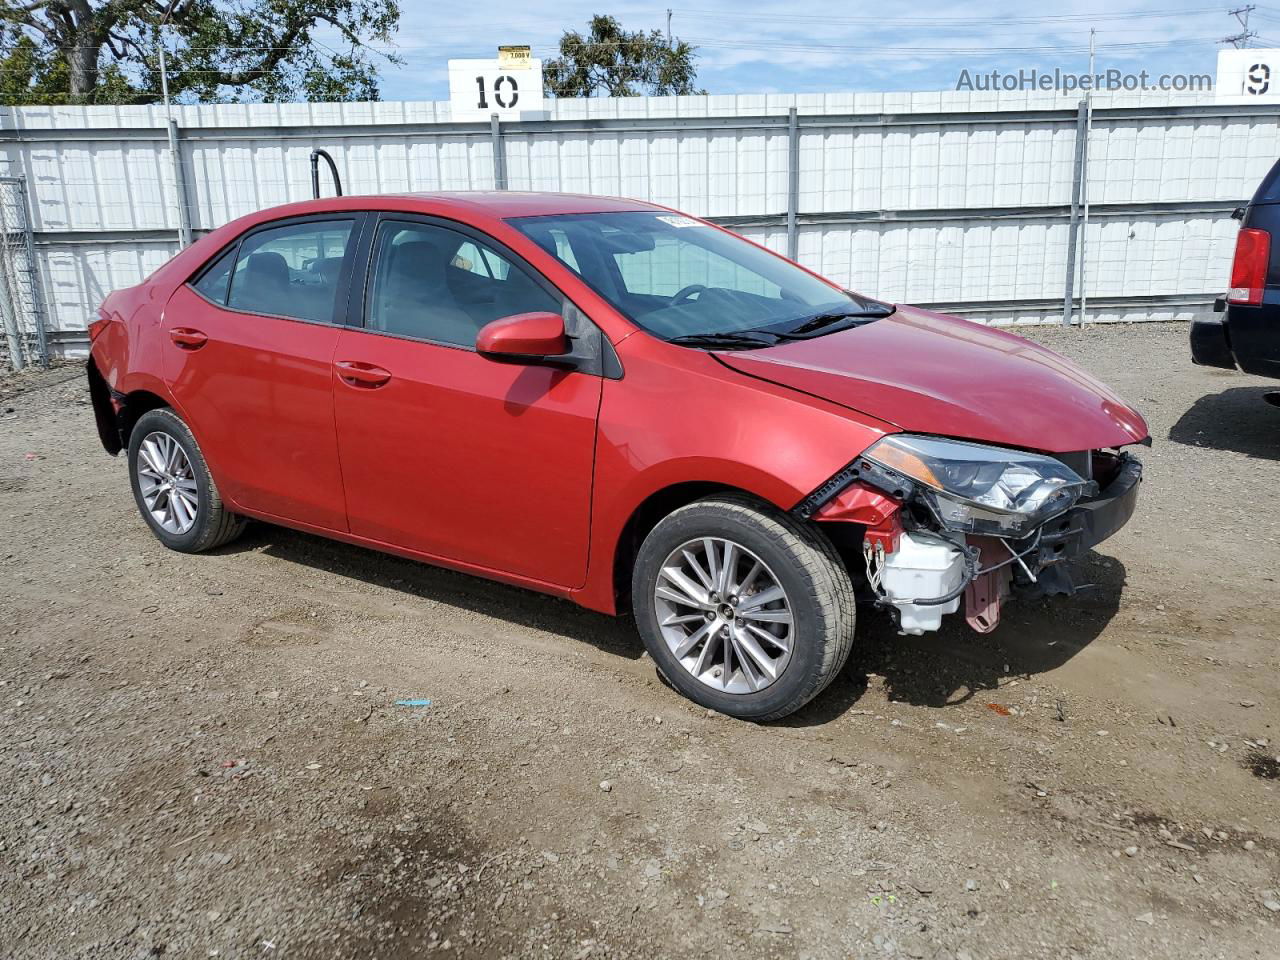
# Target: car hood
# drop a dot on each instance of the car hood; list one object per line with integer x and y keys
{"x": 929, "y": 373}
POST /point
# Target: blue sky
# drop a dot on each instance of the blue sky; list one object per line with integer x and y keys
{"x": 785, "y": 47}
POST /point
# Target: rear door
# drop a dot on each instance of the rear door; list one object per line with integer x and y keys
{"x": 444, "y": 451}
{"x": 249, "y": 351}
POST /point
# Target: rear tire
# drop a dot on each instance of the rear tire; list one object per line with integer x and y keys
{"x": 783, "y": 651}
{"x": 173, "y": 488}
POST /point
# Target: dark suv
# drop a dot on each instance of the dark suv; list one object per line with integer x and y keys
{"x": 1247, "y": 335}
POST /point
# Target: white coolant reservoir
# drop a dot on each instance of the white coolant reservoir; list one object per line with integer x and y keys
{"x": 923, "y": 567}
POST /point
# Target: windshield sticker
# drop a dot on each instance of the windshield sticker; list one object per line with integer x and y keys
{"x": 680, "y": 221}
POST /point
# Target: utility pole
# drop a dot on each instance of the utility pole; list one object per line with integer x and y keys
{"x": 669, "y": 28}
{"x": 1241, "y": 40}
{"x": 1084, "y": 178}
{"x": 184, "y": 221}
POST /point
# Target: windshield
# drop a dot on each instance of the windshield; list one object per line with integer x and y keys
{"x": 679, "y": 278}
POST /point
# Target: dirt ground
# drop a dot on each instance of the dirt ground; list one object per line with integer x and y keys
{"x": 202, "y": 755}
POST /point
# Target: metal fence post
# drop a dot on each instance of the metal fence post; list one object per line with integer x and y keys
{"x": 1084, "y": 203}
{"x": 1073, "y": 232}
{"x": 793, "y": 182}
{"x": 499, "y": 154}
{"x": 179, "y": 186}
{"x": 37, "y": 297}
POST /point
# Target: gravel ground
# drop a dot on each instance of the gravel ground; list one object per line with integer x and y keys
{"x": 202, "y": 756}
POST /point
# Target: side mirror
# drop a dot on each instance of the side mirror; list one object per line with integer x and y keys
{"x": 524, "y": 338}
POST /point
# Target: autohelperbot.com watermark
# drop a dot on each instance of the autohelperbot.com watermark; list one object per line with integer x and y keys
{"x": 1064, "y": 81}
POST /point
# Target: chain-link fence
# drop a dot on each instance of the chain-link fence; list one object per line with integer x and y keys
{"x": 21, "y": 303}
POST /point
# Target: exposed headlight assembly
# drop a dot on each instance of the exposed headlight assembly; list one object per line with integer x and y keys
{"x": 973, "y": 488}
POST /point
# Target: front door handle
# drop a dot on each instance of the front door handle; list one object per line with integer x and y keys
{"x": 187, "y": 338}
{"x": 356, "y": 373}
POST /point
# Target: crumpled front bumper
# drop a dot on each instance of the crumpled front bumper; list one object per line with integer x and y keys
{"x": 988, "y": 567}
{"x": 1091, "y": 521}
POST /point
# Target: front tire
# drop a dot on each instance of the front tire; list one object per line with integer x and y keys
{"x": 173, "y": 488}
{"x": 743, "y": 608}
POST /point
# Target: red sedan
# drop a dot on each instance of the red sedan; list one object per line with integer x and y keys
{"x": 615, "y": 403}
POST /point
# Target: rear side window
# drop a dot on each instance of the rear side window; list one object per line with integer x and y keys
{"x": 212, "y": 284}
{"x": 290, "y": 271}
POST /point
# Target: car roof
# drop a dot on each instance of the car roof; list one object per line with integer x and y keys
{"x": 496, "y": 204}
{"x": 528, "y": 203}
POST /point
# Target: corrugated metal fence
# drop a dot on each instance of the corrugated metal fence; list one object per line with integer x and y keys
{"x": 957, "y": 200}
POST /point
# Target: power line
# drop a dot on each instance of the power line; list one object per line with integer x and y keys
{"x": 802, "y": 47}
{"x": 1241, "y": 39}
{"x": 720, "y": 15}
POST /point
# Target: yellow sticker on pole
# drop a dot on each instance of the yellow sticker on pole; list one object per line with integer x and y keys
{"x": 514, "y": 57}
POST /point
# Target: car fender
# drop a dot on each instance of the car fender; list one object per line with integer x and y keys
{"x": 720, "y": 429}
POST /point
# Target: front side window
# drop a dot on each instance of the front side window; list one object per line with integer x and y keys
{"x": 433, "y": 283}
{"x": 677, "y": 277}
{"x": 291, "y": 271}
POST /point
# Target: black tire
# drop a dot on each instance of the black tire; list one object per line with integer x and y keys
{"x": 214, "y": 523}
{"x": 805, "y": 565}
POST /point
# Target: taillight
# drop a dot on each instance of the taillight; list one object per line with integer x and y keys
{"x": 1249, "y": 268}
{"x": 98, "y": 325}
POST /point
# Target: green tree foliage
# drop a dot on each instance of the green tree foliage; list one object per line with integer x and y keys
{"x": 617, "y": 63}
{"x": 106, "y": 51}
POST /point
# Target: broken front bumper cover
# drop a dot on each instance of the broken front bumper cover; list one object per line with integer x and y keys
{"x": 924, "y": 586}
{"x": 1072, "y": 534}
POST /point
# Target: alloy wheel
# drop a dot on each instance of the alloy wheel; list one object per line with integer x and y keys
{"x": 167, "y": 484}
{"x": 724, "y": 615}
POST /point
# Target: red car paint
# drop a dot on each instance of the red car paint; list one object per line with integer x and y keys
{"x": 534, "y": 475}
{"x": 930, "y": 373}
{"x": 524, "y": 335}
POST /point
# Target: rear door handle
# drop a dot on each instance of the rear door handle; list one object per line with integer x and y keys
{"x": 187, "y": 338}
{"x": 356, "y": 373}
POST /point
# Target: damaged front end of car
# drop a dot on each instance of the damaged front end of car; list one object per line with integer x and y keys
{"x": 948, "y": 522}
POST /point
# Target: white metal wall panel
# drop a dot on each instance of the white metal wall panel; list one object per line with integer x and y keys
{"x": 1180, "y": 158}
{"x": 78, "y": 276}
{"x": 950, "y": 262}
{"x": 124, "y": 185}
{"x": 1151, "y": 256}
{"x": 228, "y": 179}
{"x": 706, "y": 173}
{"x": 935, "y": 167}
{"x": 964, "y": 161}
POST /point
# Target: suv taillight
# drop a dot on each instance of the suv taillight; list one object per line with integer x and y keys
{"x": 1249, "y": 268}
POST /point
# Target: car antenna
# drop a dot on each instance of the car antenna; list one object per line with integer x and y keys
{"x": 315, "y": 173}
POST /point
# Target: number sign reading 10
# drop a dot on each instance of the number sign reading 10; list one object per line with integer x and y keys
{"x": 480, "y": 88}
{"x": 506, "y": 91}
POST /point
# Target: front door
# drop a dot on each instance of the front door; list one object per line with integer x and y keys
{"x": 248, "y": 355}
{"x": 444, "y": 451}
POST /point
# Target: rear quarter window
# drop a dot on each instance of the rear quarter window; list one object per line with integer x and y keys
{"x": 212, "y": 284}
